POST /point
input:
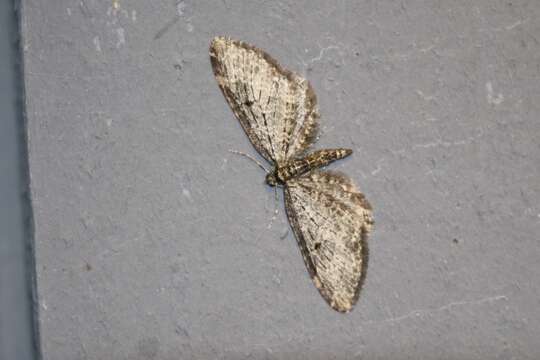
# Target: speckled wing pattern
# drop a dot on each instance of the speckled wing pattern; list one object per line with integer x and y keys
{"x": 330, "y": 218}
{"x": 277, "y": 108}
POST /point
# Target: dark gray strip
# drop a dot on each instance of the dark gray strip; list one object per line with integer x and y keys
{"x": 19, "y": 338}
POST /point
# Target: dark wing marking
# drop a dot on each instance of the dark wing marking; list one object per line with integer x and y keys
{"x": 331, "y": 220}
{"x": 277, "y": 108}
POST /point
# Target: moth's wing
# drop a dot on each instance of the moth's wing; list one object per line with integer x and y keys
{"x": 331, "y": 220}
{"x": 277, "y": 108}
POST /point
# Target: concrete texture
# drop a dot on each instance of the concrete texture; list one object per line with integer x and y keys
{"x": 152, "y": 239}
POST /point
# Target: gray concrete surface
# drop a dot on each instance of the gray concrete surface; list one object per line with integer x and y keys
{"x": 17, "y": 340}
{"x": 153, "y": 241}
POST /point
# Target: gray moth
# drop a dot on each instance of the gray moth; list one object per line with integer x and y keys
{"x": 330, "y": 217}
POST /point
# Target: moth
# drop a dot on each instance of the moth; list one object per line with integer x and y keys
{"x": 278, "y": 111}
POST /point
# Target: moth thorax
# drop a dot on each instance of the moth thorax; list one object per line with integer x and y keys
{"x": 271, "y": 179}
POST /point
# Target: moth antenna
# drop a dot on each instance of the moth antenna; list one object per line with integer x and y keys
{"x": 250, "y": 158}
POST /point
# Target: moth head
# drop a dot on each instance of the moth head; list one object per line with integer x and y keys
{"x": 271, "y": 179}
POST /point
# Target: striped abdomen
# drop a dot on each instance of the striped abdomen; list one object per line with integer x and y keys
{"x": 312, "y": 161}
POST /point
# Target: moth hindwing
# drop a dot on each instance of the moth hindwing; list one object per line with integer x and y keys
{"x": 330, "y": 218}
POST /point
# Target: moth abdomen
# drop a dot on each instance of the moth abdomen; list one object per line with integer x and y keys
{"x": 326, "y": 156}
{"x": 310, "y": 162}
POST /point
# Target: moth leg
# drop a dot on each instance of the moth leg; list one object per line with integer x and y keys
{"x": 276, "y": 211}
{"x": 276, "y": 200}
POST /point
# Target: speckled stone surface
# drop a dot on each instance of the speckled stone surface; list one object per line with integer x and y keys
{"x": 152, "y": 239}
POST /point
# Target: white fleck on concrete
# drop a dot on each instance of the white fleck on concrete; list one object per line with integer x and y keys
{"x": 120, "y": 37}
{"x": 97, "y": 43}
{"x": 491, "y": 98}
